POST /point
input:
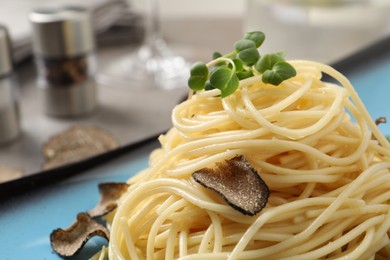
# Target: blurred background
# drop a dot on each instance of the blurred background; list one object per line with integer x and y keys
{"x": 110, "y": 14}
{"x": 138, "y": 62}
{"x": 353, "y": 23}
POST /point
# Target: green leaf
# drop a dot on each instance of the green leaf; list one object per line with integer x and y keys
{"x": 281, "y": 54}
{"x": 244, "y": 44}
{"x": 279, "y": 72}
{"x": 216, "y": 55}
{"x": 266, "y": 62}
{"x": 208, "y": 86}
{"x": 231, "y": 86}
{"x": 247, "y": 51}
{"x": 225, "y": 80}
{"x": 249, "y": 56}
{"x": 198, "y": 75}
{"x": 388, "y": 138}
{"x": 239, "y": 65}
{"x": 257, "y": 37}
{"x": 244, "y": 74}
{"x": 220, "y": 77}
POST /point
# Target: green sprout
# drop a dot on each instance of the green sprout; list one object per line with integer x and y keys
{"x": 244, "y": 62}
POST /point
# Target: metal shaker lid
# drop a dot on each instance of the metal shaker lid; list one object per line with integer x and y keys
{"x": 61, "y": 31}
{"x": 5, "y": 52}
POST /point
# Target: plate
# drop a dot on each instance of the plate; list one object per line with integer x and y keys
{"x": 28, "y": 219}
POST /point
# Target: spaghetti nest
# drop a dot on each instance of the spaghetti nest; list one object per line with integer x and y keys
{"x": 314, "y": 144}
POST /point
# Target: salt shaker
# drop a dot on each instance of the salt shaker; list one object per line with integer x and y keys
{"x": 63, "y": 46}
{"x": 9, "y": 107}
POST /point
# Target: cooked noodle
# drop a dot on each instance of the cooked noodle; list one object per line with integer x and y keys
{"x": 313, "y": 143}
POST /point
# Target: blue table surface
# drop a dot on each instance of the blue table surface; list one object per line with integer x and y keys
{"x": 371, "y": 80}
{"x": 26, "y": 221}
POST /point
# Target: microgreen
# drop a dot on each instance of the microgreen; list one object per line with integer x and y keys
{"x": 224, "y": 79}
{"x": 257, "y": 37}
{"x": 280, "y": 71}
{"x": 199, "y": 75}
{"x": 225, "y": 71}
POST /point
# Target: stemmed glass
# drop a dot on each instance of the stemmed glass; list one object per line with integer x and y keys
{"x": 153, "y": 65}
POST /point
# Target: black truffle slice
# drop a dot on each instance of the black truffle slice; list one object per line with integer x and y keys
{"x": 381, "y": 120}
{"x": 68, "y": 242}
{"x": 110, "y": 192}
{"x": 238, "y": 183}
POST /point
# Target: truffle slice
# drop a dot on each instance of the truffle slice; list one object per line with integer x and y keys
{"x": 381, "y": 120}
{"x": 238, "y": 183}
{"x": 110, "y": 192}
{"x": 75, "y": 144}
{"x": 68, "y": 242}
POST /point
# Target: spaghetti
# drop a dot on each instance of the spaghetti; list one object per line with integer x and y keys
{"x": 314, "y": 144}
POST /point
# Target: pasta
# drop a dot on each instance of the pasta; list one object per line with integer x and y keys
{"x": 314, "y": 144}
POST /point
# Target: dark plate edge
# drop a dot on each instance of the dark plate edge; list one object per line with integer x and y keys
{"x": 366, "y": 54}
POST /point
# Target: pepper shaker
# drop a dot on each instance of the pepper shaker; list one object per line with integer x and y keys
{"x": 63, "y": 46}
{"x": 9, "y": 107}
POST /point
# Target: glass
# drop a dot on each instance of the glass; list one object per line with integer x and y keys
{"x": 153, "y": 65}
{"x": 321, "y": 30}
